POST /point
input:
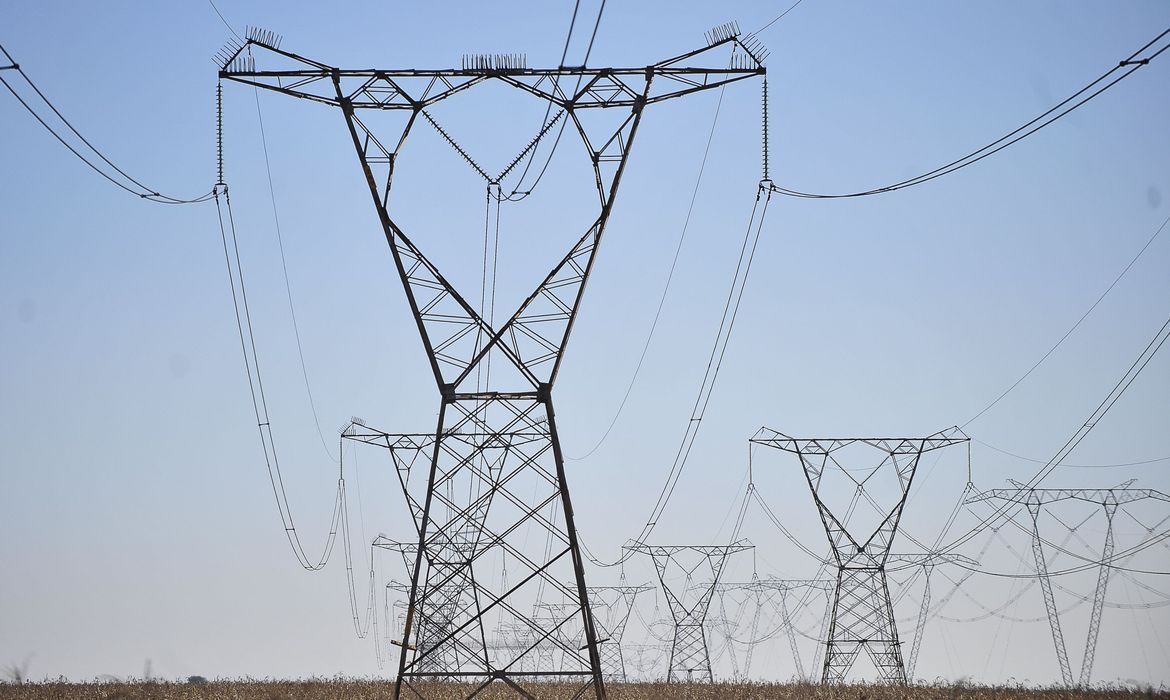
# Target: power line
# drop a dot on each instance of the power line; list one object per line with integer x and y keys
{"x": 1132, "y": 62}
{"x": 259, "y": 402}
{"x": 711, "y": 373}
{"x": 225, "y": 22}
{"x": 1127, "y": 379}
{"x": 1070, "y": 331}
{"x": 1072, "y": 466}
{"x": 779, "y": 17}
{"x": 134, "y": 187}
{"x": 556, "y": 142}
{"x": 666, "y": 287}
{"x": 284, "y": 270}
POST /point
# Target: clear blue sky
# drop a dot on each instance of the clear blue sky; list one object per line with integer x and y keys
{"x": 136, "y": 514}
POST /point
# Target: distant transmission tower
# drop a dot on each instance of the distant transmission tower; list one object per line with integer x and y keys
{"x": 495, "y": 493}
{"x": 612, "y": 606}
{"x": 1035, "y": 500}
{"x": 690, "y": 657}
{"x": 763, "y": 588}
{"x": 862, "y": 613}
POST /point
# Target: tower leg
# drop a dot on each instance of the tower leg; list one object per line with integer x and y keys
{"x": 1099, "y": 597}
{"x": 689, "y": 659}
{"x": 920, "y": 628}
{"x": 863, "y": 617}
{"x": 1049, "y": 599}
{"x": 497, "y": 535}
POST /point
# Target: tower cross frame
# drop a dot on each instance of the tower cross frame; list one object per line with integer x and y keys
{"x": 862, "y": 611}
{"x": 496, "y": 444}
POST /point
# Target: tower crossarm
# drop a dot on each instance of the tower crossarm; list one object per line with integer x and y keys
{"x": 1026, "y": 496}
{"x": 770, "y": 583}
{"x": 825, "y": 446}
{"x": 850, "y": 548}
{"x": 929, "y": 559}
{"x": 259, "y": 61}
{"x": 705, "y": 550}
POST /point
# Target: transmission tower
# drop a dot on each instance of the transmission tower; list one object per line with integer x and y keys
{"x": 768, "y": 587}
{"x": 612, "y": 606}
{"x": 436, "y": 623}
{"x": 862, "y": 612}
{"x": 1035, "y": 500}
{"x": 496, "y": 491}
{"x": 690, "y": 658}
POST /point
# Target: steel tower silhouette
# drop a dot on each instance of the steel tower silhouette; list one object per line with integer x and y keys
{"x": 862, "y": 612}
{"x": 690, "y": 657}
{"x": 1035, "y": 500}
{"x": 495, "y": 490}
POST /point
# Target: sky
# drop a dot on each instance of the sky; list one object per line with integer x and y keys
{"x": 139, "y": 525}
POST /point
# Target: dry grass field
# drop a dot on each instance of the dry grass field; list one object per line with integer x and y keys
{"x": 369, "y": 690}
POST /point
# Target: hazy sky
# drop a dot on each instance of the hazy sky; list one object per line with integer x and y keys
{"x": 138, "y": 523}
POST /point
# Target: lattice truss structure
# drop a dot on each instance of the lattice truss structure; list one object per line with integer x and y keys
{"x": 645, "y": 660}
{"x": 758, "y": 603}
{"x": 612, "y": 607}
{"x": 699, "y": 567}
{"x": 1037, "y": 500}
{"x": 494, "y": 496}
{"x": 862, "y": 614}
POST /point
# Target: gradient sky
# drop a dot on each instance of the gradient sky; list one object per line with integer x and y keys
{"x": 138, "y": 523}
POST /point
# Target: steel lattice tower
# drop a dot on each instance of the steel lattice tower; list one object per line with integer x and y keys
{"x": 862, "y": 612}
{"x": 689, "y": 654}
{"x": 761, "y": 587}
{"x": 495, "y": 445}
{"x": 1035, "y": 499}
{"x": 612, "y": 606}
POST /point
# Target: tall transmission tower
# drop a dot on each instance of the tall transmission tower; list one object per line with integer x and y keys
{"x": 496, "y": 491}
{"x": 862, "y": 613}
{"x": 1035, "y": 500}
{"x": 690, "y": 657}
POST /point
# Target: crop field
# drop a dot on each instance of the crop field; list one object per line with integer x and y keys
{"x": 369, "y": 690}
